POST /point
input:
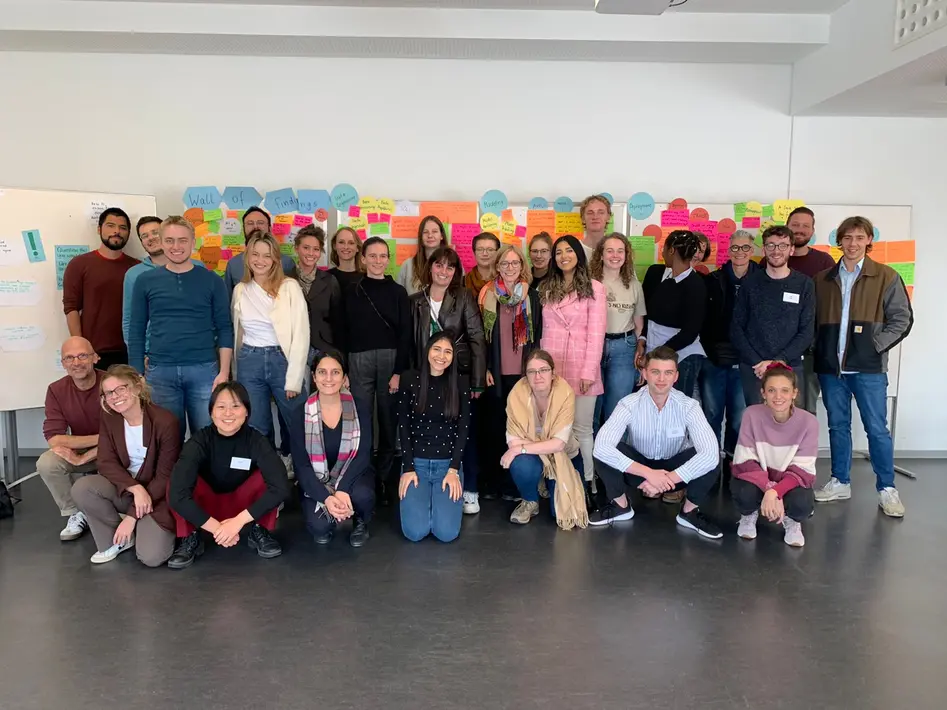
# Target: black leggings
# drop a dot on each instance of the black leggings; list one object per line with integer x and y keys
{"x": 799, "y": 502}
{"x": 698, "y": 489}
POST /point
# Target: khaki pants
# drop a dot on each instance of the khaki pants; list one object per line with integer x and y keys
{"x": 59, "y": 475}
{"x": 98, "y": 498}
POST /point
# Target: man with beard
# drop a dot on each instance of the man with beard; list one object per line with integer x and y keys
{"x": 774, "y": 316}
{"x": 810, "y": 262}
{"x": 595, "y": 212}
{"x": 149, "y": 232}
{"x": 188, "y": 313}
{"x": 253, "y": 219}
{"x": 92, "y": 290}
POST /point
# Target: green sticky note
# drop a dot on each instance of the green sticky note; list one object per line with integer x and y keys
{"x": 198, "y": 243}
{"x": 640, "y": 270}
{"x": 641, "y": 243}
{"x": 379, "y": 228}
{"x": 232, "y": 240}
{"x": 739, "y": 211}
{"x": 767, "y": 212}
{"x": 213, "y": 215}
{"x": 286, "y": 249}
{"x": 214, "y": 226}
{"x": 393, "y": 267}
{"x": 906, "y": 270}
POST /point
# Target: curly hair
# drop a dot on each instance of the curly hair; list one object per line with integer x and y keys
{"x": 597, "y": 263}
{"x": 684, "y": 243}
{"x": 554, "y": 288}
{"x": 593, "y": 198}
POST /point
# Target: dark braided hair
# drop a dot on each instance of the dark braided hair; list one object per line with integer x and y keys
{"x": 684, "y": 243}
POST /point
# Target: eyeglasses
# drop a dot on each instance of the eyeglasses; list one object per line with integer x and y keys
{"x": 540, "y": 252}
{"x": 540, "y": 371}
{"x": 774, "y": 247}
{"x": 486, "y": 250}
{"x": 81, "y": 357}
{"x": 735, "y": 248}
{"x": 119, "y": 391}
{"x": 510, "y": 264}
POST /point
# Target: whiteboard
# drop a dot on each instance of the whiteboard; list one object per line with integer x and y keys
{"x": 32, "y": 332}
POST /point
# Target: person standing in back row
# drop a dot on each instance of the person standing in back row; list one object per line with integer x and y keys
{"x": 596, "y": 212}
{"x": 92, "y": 290}
{"x": 810, "y": 262}
{"x": 863, "y": 310}
{"x": 774, "y": 315}
{"x": 189, "y": 313}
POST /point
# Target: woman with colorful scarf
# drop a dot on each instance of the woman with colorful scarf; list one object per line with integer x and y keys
{"x": 513, "y": 326}
{"x": 333, "y": 471}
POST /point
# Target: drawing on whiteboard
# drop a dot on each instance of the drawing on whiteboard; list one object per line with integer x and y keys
{"x": 21, "y": 338}
{"x": 19, "y": 293}
{"x": 34, "y": 245}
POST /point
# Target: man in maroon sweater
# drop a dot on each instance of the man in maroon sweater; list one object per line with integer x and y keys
{"x": 71, "y": 429}
{"x": 92, "y": 290}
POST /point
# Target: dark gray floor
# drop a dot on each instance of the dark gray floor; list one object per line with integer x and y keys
{"x": 642, "y": 615}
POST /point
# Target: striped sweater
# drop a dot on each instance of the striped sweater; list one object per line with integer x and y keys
{"x": 774, "y": 455}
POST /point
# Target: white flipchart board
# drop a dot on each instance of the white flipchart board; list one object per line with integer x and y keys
{"x": 32, "y": 323}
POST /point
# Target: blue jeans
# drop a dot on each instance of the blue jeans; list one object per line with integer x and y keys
{"x": 526, "y": 471}
{"x": 184, "y": 390}
{"x": 426, "y": 509}
{"x": 871, "y": 396}
{"x": 619, "y": 376}
{"x": 721, "y": 389}
{"x": 687, "y": 371}
{"x": 263, "y": 372}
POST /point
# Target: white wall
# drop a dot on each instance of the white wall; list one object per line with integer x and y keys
{"x": 436, "y": 129}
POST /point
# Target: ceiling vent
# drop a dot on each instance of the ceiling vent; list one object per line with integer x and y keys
{"x": 632, "y": 7}
{"x": 915, "y": 18}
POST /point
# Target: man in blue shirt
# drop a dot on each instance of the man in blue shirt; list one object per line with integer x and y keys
{"x": 191, "y": 334}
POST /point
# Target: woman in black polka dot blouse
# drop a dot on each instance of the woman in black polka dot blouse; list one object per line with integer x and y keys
{"x": 433, "y": 415}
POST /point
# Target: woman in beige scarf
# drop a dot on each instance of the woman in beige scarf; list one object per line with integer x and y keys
{"x": 540, "y": 411}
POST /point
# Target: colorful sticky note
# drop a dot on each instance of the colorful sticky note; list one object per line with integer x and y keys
{"x": 569, "y": 223}
{"x": 726, "y": 226}
{"x": 205, "y": 196}
{"x": 322, "y": 214}
{"x": 374, "y": 218}
{"x": 231, "y": 226}
{"x": 240, "y": 198}
{"x": 750, "y": 223}
{"x": 640, "y": 205}
{"x": 753, "y": 209}
{"x": 63, "y": 254}
{"x": 34, "y": 245}
{"x": 699, "y": 214}
{"x": 368, "y": 204}
{"x": 782, "y": 208}
{"x": 195, "y": 215}
{"x": 213, "y": 227}
{"x": 311, "y": 201}
{"x": 344, "y": 196}
{"x": 386, "y": 206}
{"x": 379, "y": 228}
{"x": 286, "y": 249}
{"x": 508, "y": 227}
{"x": 405, "y": 227}
{"x": 355, "y": 211}
{"x": 283, "y": 219}
{"x": 461, "y": 238}
{"x": 539, "y": 203}
{"x": 520, "y": 230}
{"x": 563, "y": 204}
{"x": 302, "y": 220}
{"x": 201, "y": 229}
{"x": 677, "y": 218}
{"x": 231, "y": 240}
{"x": 358, "y": 223}
{"x": 540, "y": 221}
{"x": 678, "y": 203}
{"x": 899, "y": 252}
{"x": 452, "y": 212}
{"x": 739, "y": 211}
{"x": 489, "y": 222}
{"x": 402, "y": 252}
{"x": 213, "y": 215}
{"x": 384, "y": 217}
{"x": 281, "y": 230}
{"x": 652, "y": 230}
{"x": 493, "y": 201}
{"x": 910, "y": 293}
{"x": 212, "y": 240}
{"x": 906, "y": 272}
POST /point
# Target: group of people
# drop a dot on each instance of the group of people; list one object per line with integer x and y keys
{"x": 552, "y": 376}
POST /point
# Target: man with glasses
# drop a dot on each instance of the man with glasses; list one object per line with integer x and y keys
{"x": 485, "y": 248}
{"x": 71, "y": 429}
{"x": 721, "y": 388}
{"x": 774, "y": 316}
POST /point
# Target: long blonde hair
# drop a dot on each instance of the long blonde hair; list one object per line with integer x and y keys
{"x": 128, "y": 375}
{"x": 597, "y": 263}
{"x": 274, "y": 279}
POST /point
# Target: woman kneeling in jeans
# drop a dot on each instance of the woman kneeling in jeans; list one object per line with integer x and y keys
{"x": 433, "y": 414}
{"x": 540, "y": 412}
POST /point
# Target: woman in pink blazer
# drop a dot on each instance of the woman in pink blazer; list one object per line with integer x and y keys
{"x": 574, "y": 333}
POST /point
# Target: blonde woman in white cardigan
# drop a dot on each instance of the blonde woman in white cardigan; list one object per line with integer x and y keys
{"x": 271, "y": 338}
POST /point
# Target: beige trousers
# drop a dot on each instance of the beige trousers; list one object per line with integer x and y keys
{"x": 59, "y": 475}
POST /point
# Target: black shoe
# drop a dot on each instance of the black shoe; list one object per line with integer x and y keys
{"x": 265, "y": 544}
{"x": 695, "y": 520}
{"x": 489, "y": 496}
{"x": 610, "y": 513}
{"x": 381, "y": 494}
{"x": 510, "y": 498}
{"x": 189, "y": 549}
{"x": 360, "y": 534}
{"x": 324, "y": 539}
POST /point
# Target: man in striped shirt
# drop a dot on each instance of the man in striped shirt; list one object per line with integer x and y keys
{"x": 658, "y": 440}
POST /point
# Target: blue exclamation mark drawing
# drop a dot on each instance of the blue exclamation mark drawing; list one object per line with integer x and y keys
{"x": 34, "y": 245}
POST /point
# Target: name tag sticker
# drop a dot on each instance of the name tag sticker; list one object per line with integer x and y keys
{"x": 675, "y": 433}
{"x": 239, "y": 463}
{"x": 790, "y": 297}
{"x": 858, "y": 329}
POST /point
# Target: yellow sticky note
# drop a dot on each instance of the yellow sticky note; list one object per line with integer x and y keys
{"x": 754, "y": 209}
{"x": 238, "y": 249}
{"x": 196, "y": 254}
{"x": 283, "y": 219}
{"x": 213, "y": 240}
{"x": 836, "y": 253}
{"x": 201, "y": 229}
{"x": 569, "y": 223}
{"x": 489, "y": 222}
{"x": 508, "y": 227}
{"x": 358, "y": 223}
{"x": 782, "y": 208}
{"x": 386, "y": 206}
{"x": 368, "y": 204}
{"x": 222, "y": 265}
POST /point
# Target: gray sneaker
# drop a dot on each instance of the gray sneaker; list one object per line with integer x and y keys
{"x": 833, "y": 490}
{"x": 890, "y": 502}
{"x": 525, "y": 511}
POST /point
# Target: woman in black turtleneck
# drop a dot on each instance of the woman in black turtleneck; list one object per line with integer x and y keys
{"x": 228, "y": 476}
{"x": 434, "y": 413}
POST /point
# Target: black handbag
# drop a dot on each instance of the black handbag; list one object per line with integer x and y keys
{"x": 6, "y": 502}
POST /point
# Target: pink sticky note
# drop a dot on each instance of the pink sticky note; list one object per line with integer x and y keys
{"x": 226, "y": 254}
{"x": 751, "y": 223}
{"x": 385, "y": 217}
{"x": 281, "y": 230}
{"x": 723, "y": 250}
{"x": 675, "y": 218}
{"x": 355, "y": 211}
{"x": 302, "y": 220}
{"x": 360, "y": 232}
{"x": 373, "y": 218}
{"x": 520, "y": 230}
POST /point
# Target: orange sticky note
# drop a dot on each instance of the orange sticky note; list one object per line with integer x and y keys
{"x": 405, "y": 227}
{"x": 507, "y": 216}
{"x": 213, "y": 240}
{"x": 540, "y": 221}
{"x": 898, "y": 252}
{"x": 404, "y": 252}
{"x": 879, "y": 252}
{"x": 678, "y": 203}
{"x": 454, "y": 212}
{"x": 910, "y": 292}
{"x": 195, "y": 215}
{"x": 201, "y": 229}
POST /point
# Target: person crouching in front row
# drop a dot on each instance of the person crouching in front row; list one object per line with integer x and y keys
{"x": 658, "y": 440}
{"x": 229, "y": 476}
{"x": 433, "y": 414}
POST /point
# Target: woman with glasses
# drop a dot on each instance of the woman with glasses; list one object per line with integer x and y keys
{"x": 540, "y": 254}
{"x": 126, "y": 502}
{"x": 721, "y": 391}
{"x": 431, "y": 235}
{"x": 574, "y": 320}
{"x": 378, "y": 336}
{"x": 485, "y": 248}
{"x": 513, "y": 327}
{"x": 540, "y": 414}
{"x": 445, "y": 305}
{"x": 612, "y": 264}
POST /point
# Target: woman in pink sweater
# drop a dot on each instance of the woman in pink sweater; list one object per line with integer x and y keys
{"x": 574, "y": 333}
{"x": 774, "y": 462}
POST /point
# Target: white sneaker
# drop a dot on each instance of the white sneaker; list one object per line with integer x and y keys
{"x": 833, "y": 490}
{"x": 75, "y": 526}
{"x": 793, "y": 536}
{"x": 747, "y": 529}
{"x": 111, "y": 553}
{"x": 471, "y": 503}
{"x": 288, "y": 463}
{"x": 890, "y": 502}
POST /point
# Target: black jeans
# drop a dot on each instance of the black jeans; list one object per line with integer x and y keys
{"x": 107, "y": 358}
{"x": 493, "y": 478}
{"x": 369, "y": 373}
{"x": 698, "y": 489}
{"x": 799, "y": 502}
{"x": 363, "y": 500}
